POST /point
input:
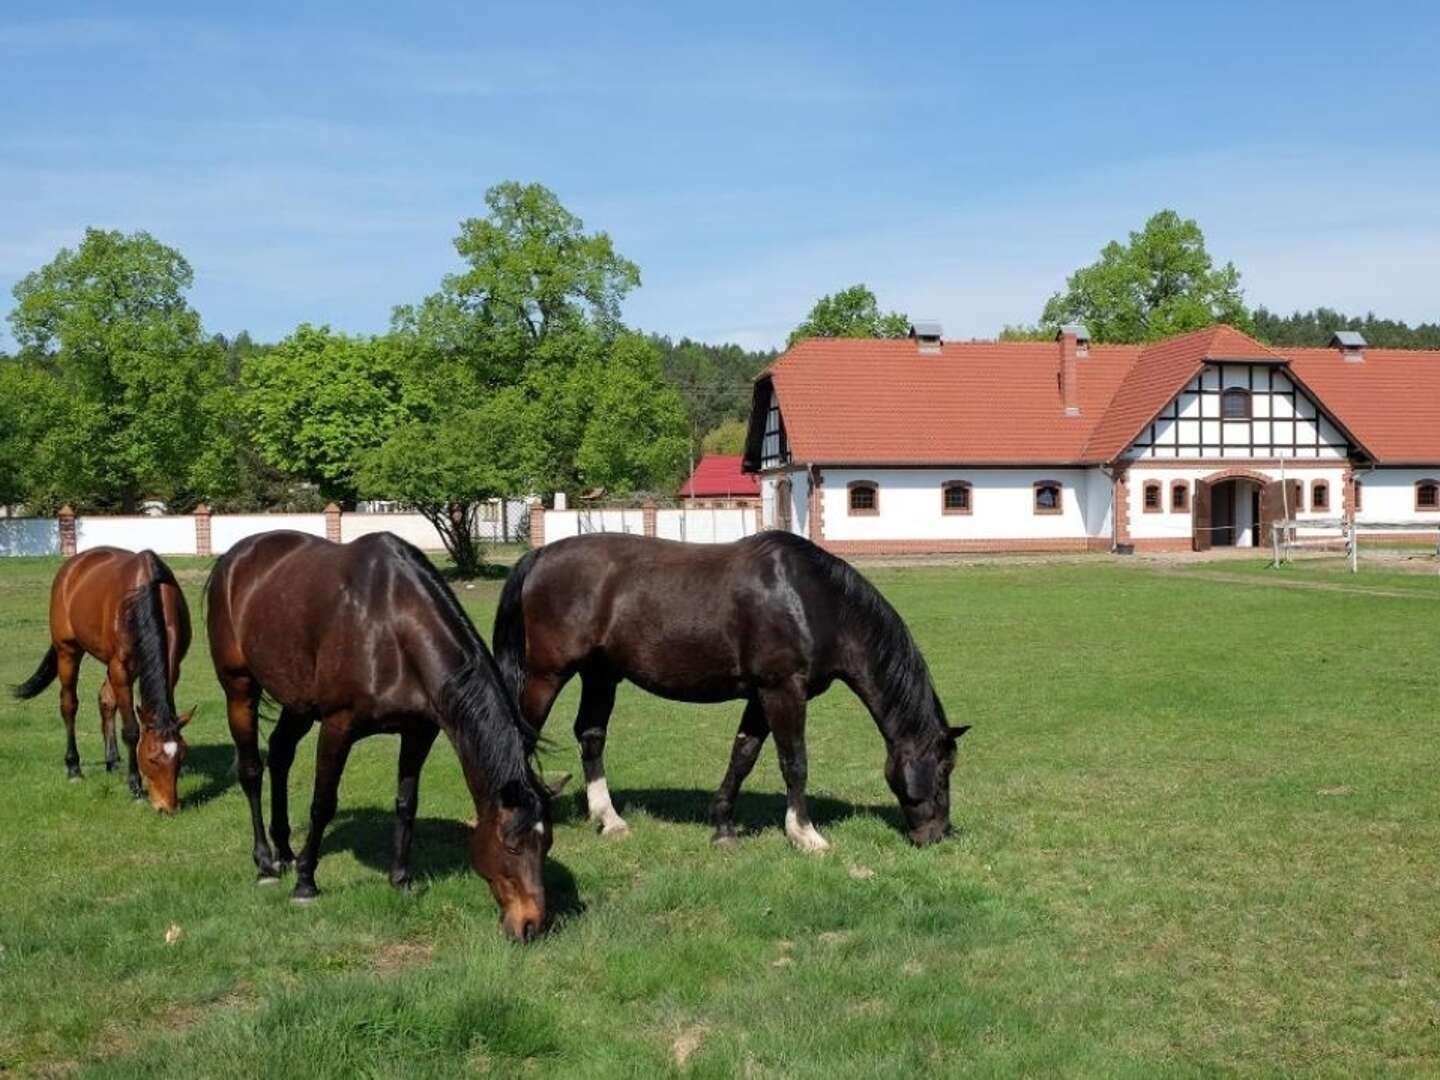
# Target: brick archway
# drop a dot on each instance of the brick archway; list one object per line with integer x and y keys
{"x": 1236, "y": 474}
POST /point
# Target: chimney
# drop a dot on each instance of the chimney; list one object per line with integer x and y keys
{"x": 1351, "y": 344}
{"x": 1074, "y": 346}
{"x": 926, "y": 335}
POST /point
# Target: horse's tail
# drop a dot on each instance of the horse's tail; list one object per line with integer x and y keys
{"x": 508, "y": 639}
{"x": 145, "y": 617}
{"x": 43, "y": 677}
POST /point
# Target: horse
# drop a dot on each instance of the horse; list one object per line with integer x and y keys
{"x": 771, "y": 620}
{"x": 127, "y": 611}
{"x": 364, "y": 638}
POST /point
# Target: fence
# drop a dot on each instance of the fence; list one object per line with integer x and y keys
{"x": 204, "y": 533}
{"x": 711, "y": 525}
{"x": 1345, "y": 533}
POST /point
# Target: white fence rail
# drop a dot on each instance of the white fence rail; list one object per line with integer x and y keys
{"x": 697, "y": 526}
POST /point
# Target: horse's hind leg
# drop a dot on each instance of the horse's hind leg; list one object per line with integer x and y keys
{"x": 330, "y": 756}
{"x": 288, "y": 732}
{"x": 597, "y": 701}
{"x": 415, "y": 743}
{"x": 67, "y": 668}
{"x": 107, "y": 726}
{"x": 242, "y": 700}
{"x": 749, "y": 740}
{"x": 785, "y": 712}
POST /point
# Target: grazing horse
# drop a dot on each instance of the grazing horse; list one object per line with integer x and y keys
{"x": 127, "y": 611}
{"x": 771, "y": 619}
{"x": 366, "y": 637}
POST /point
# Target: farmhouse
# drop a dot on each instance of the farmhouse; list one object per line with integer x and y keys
{"x": 925, "y": 445}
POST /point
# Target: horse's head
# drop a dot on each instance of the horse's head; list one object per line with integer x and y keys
{"x": 508, "y": 850}
{"x": 159, "y": 755}
{"x": 918, "y": 772}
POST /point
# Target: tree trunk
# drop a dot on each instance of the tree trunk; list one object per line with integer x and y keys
{"x": 455, "y": 523}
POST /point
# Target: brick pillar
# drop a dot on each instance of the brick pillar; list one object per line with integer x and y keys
{"x": 647, "y": 517}
{"x": 332, "y": 523}
{"x": 817, "y": 506}
{"x": 67, "y": 531}
{"x": 537, "y": 523}
{"x": 202, "y": 530}
{"x": 1121, "y": 509}
{"x": 1348, "y": 488}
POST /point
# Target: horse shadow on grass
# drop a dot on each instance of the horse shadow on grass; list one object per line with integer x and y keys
{"x": 440, "y": 848}
{"x": 215, "y": 762}
{"x": 754, "y": 812}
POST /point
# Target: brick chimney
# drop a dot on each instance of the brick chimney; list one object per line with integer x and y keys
{"x": 928, "y": 336}
{"x": 1351, "y": 344}
{"x": 1074, "y": 342}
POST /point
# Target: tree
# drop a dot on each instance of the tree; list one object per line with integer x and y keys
{"x": 726, "y": 438}
{"x": 1162, "y": 282}
{"x": 850, "y": 313}
{"x": 108, "y": 321}
{"x": 637, "y": 437}
{"x": 713, "y": 381}
{"x": 319, "y": 401}
{"x": 1314, "y": 329}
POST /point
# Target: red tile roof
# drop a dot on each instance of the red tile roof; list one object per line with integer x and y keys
{"x": 874, "y": 402}
{"x": 719, "y": 476}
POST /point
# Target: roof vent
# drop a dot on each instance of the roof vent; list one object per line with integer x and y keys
{"x": 1351, "y": 344}
{"x": 1081, "y": 336}
{"x": 927, "y": 335}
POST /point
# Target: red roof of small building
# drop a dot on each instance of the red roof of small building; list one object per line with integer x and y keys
{"x": 879, "y": 402}
{"x": 720, "y": 476}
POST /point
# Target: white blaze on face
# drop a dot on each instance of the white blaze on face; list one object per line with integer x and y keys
{"x": 540, "y": 827}
{"x": 171, "y": 748}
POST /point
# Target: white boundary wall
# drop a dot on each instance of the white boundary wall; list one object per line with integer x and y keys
{"x": 411, "y": 527}
{"x": 227, "y": 530}
{"x": 165, "y": 535}
{"x": 29, "y": 536}
{"x": 706, "y": 526}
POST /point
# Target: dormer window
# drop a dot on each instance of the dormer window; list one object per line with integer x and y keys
{"x": 1235, "y": 404}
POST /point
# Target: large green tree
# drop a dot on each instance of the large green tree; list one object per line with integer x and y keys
{"x": 109, "y": 323}
{"x": 851, "y": 313}
{"x": 319, "y": 401}
{"x": 713, "y": 381}
{"x": 1161, "y": 282}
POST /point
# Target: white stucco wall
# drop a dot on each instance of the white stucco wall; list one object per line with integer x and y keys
{"x": 1389, "y": 495}
{"x": 227, "y": 530}
{"x": 799, "y": 500}
{"x": 410, "y": 527}
{"x": 1172, "y": 525}
{"x": 707, "y": 525}
{"x": 173, "y": 535}
{"x": 1002, "y": 505}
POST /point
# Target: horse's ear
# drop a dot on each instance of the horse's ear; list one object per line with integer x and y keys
{"x": 185, "y": 718}
{"x": 558, "y": 786}
{"x": 956, "y": 732}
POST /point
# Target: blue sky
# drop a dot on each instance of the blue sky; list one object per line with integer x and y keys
{"x": 961, "y": 159}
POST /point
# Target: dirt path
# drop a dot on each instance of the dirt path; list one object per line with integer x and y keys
{"x": 1276, "y": 581}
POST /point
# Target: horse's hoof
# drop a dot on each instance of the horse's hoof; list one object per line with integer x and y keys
{"x": 808, "y": 840}
{"x": 111, "y": 766}
{"x": 402, "y": 882}
{"x": 304, "y": 893}
{"x": 727, "y": 840}
{"x": 267, "y": 879}
{"x": 614, "y": 827}
{"x": 74, "y": 776}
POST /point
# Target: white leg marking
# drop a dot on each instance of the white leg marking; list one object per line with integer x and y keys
{"x": 806, "y": 838}
{"x": 597, "y": 794}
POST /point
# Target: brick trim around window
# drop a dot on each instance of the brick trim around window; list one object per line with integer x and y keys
{"x": 957, "y": 485}
{"x": 1040, "y": 485}
{"x": 855, "y": 486}
{"x": 1159, "y": 491}
{"x": 1319, "y": 495}
{"x": 1433, "y": 507}
{"x": 1180, "y": 496}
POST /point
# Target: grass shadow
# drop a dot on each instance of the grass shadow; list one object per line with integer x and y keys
{"x": 754, "y": 812}
{"x": 216, "y": 763}
{"x": 441, "y": 848}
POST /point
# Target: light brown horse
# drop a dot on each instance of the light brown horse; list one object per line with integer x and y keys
{"x": 128, "y": 612}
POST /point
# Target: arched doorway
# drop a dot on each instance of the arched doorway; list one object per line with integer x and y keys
{"x": 1235, "y": 513}
{"x": 1238, "y": 508}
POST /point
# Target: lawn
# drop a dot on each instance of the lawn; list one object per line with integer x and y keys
{"x": 1197, "y": 832}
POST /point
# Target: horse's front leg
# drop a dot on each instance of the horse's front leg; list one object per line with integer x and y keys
{"x": 119, "y": 682}
{"x": 330, "y": 757}
{"x": 107, "y": 726}
{"x": 785, "y": 712}
{"x": 749, "y": 741}
{"x": 415, "y": 743}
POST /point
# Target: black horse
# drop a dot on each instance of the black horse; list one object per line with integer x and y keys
{"x": 772, "y": 620}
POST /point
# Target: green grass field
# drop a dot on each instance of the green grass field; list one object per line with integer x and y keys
{"x": 1198, "y": 832}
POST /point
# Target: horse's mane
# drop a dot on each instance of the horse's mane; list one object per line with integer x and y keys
{"x": 489, "y": 729}
{"x": 908, "y": 696}
{"x": 146, "y": 620}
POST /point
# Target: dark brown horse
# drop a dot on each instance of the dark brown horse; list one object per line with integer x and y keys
{"x": 365, "y": 638}
{"x": 771, "y": 620}
{"x": 127, "y": 611}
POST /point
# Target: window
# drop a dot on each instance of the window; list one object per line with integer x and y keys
{"x": 1047, "y": 497}
{"x": 1319, "y": 495}
{"x": 1235, "y": 404}
{"x": 864, "y": 498}
{"x": 955, "y": 497}
{"x": 1359, "y": 496}
{"x": 1152, "y": 496}
{"x": 1427, "y": 495}
{"x": 1179, "y": 497}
